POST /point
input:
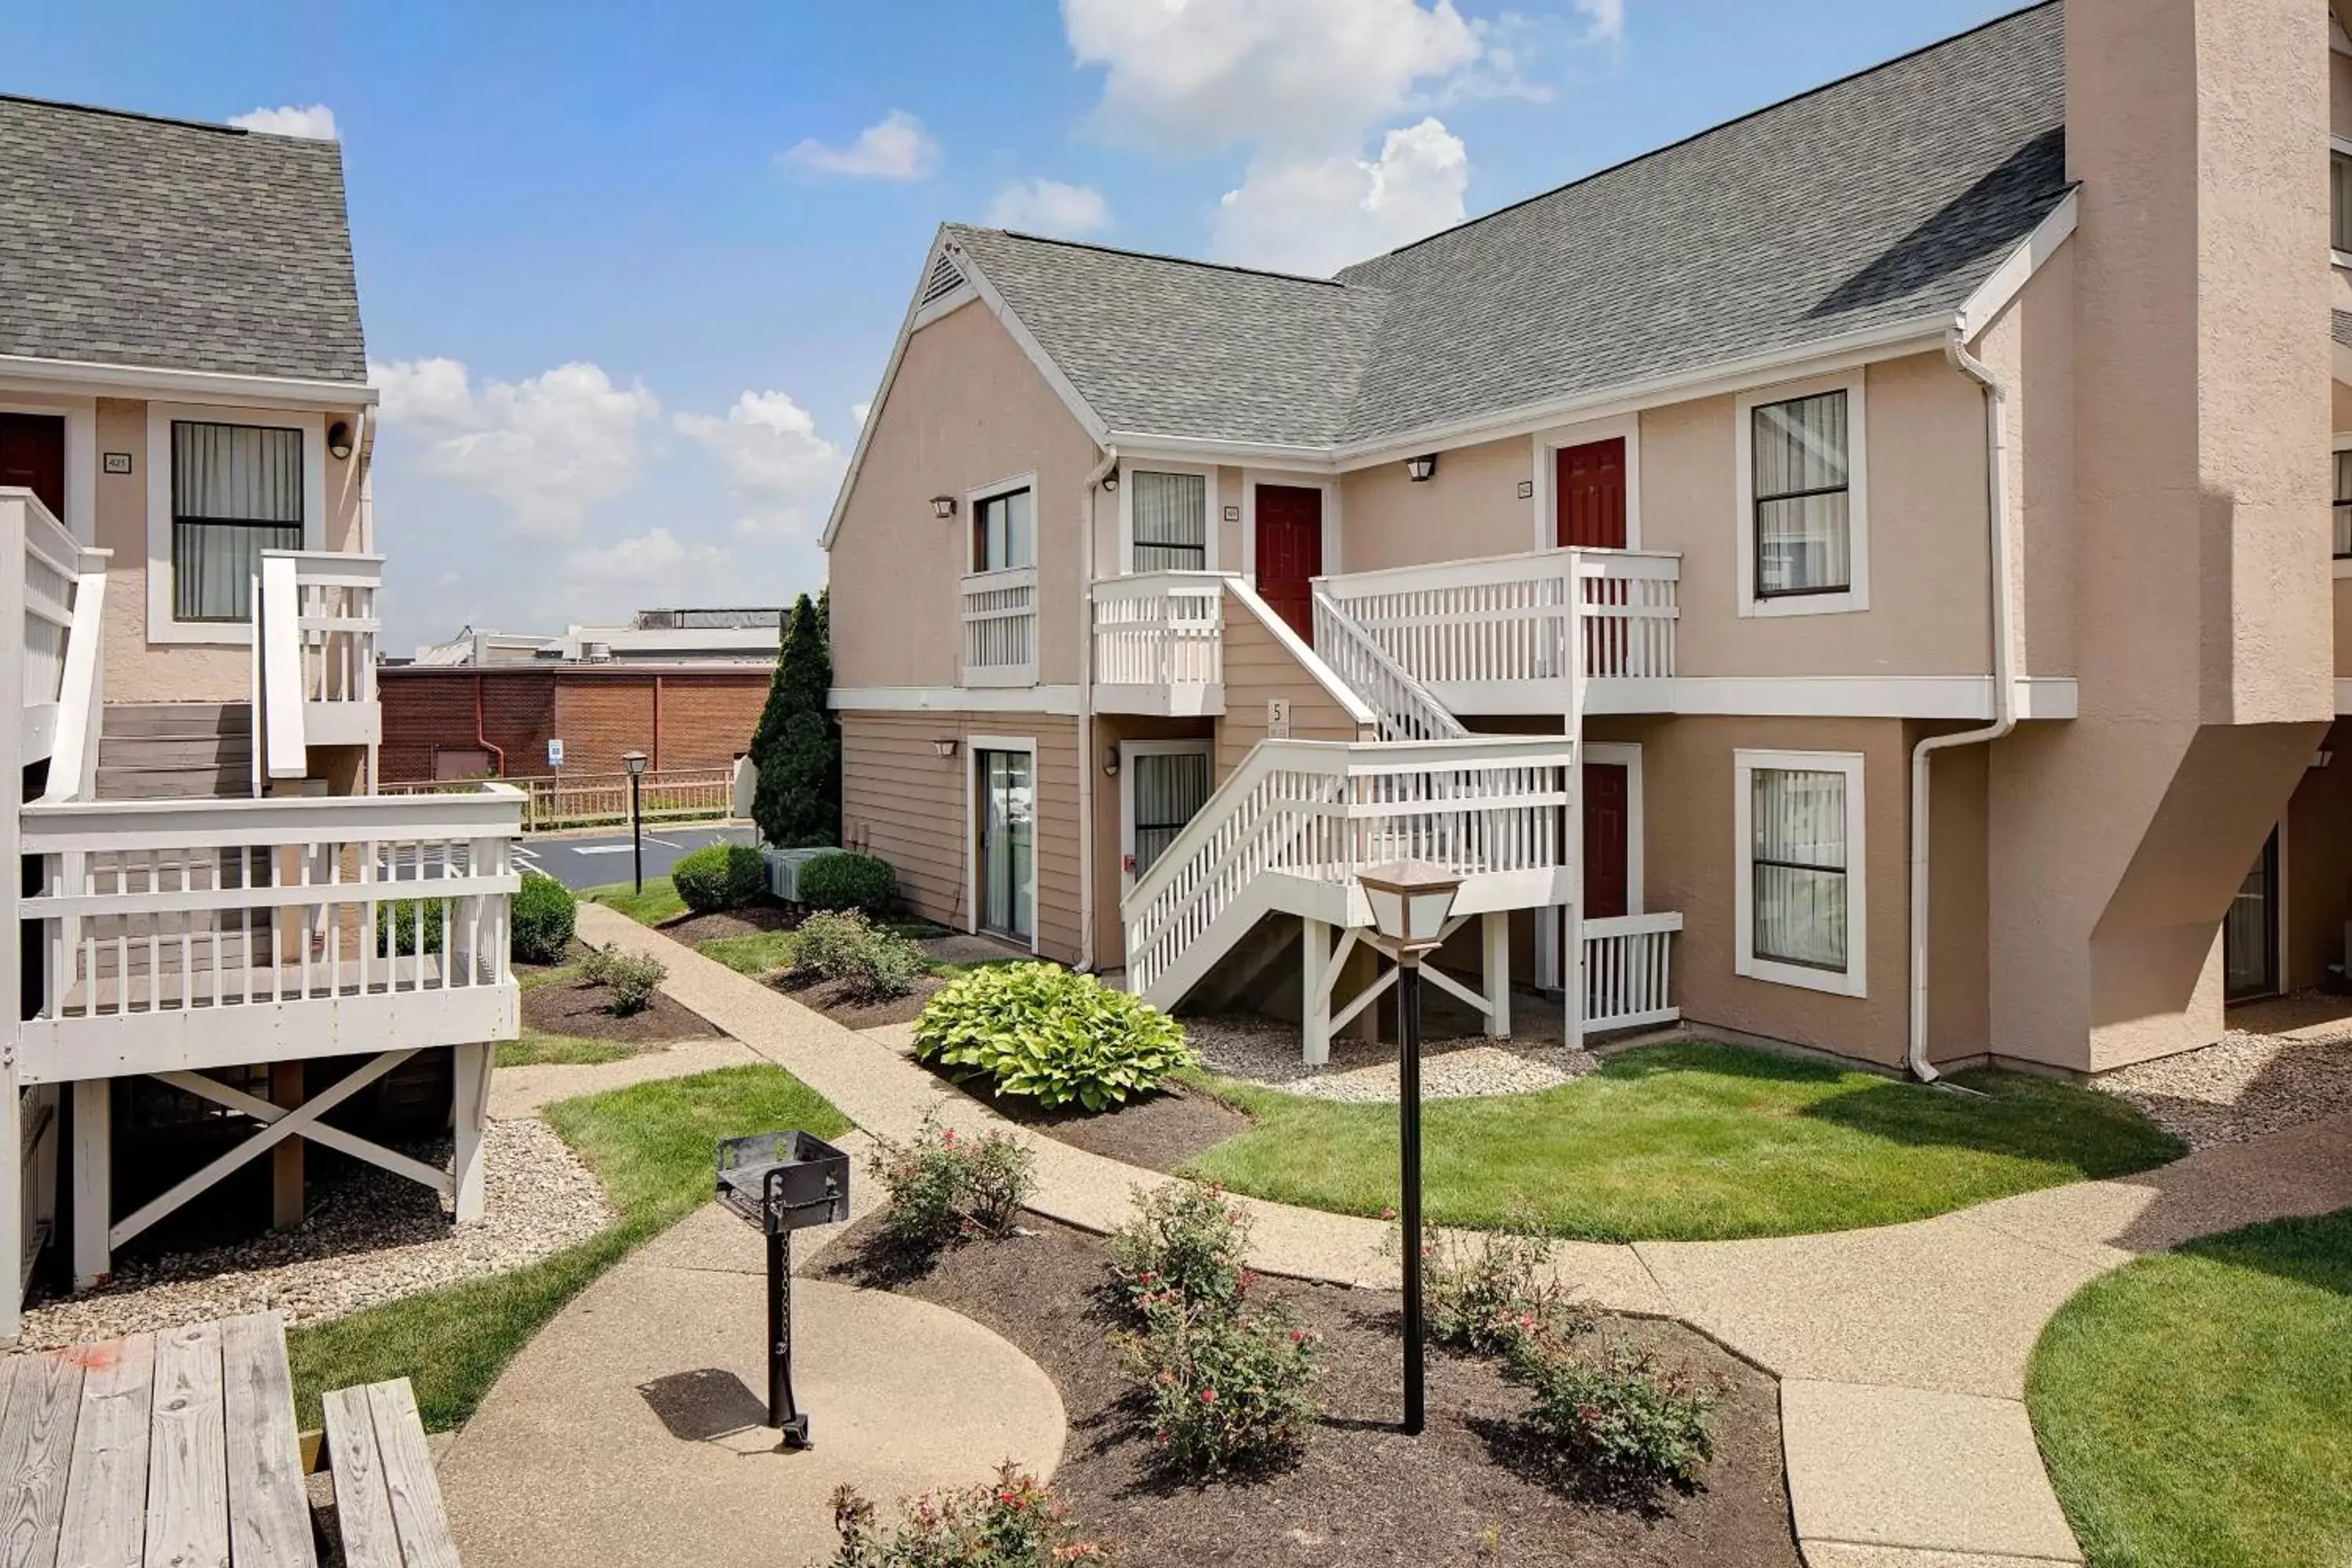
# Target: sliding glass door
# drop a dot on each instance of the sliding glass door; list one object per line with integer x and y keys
{"x": 2250, "y": 956}
{"x": 1008, "y": 848}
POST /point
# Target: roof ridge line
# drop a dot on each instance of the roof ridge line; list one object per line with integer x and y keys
{"x": 114, "y": 113}
{"x": 1159, "y": 255}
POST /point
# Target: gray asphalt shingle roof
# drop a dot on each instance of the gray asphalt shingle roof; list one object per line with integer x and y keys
{"x": 1881, "y": 199}
{"x": 126, "y": 241}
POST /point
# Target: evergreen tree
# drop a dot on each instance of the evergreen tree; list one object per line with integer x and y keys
{"x": 797, "y": 746}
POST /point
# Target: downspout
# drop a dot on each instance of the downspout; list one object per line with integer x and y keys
{"x": 1087, "y": 955}
{"x": 2004, "y": 685}
{"x": 480, "y": 738}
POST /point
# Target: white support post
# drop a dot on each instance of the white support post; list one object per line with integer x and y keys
{"x": 93, "y": 1180}
{"x": 12, "y": 951}
{"x": 1497, "y": 929}
{"x": 1548, "y": 949}
{"x": 1315, "y": 976}
{"x": 12, "y": 1194}
{"x": 471, "y": 1114}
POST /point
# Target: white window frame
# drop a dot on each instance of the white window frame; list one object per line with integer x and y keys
{"x": 1856, "y": 595}
{"x": 972, "y": 746}
{"x": 1004, "y": 486}
{"x": 1547, "y": 444}
{"x": 1628, "y": 757}
{"x": 1128, "y": 751}
{"x": 80, "y": 414}
{"x": 162, "y": 626}
{"x": 2342, "y": 443}
{"x": 1214, "y": 521}
{"x": 1327, "y": 483}
{"x": 2336, "y": 144}
{"x": 1853, "y": 980}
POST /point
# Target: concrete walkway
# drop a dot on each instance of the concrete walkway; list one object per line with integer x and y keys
{"x": 1902, "y": 1350}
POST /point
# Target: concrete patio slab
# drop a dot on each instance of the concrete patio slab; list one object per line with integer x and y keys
{"x": 1932, "y": 1472}
{"x": 1838, "y": 1555}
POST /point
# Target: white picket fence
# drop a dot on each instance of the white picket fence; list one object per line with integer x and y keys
{"x": 1628, "y": 975}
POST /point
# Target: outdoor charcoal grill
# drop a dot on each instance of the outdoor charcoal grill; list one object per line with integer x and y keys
{"x": 784, "y": 1182}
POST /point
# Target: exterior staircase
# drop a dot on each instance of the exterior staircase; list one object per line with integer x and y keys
{"x": 175, "y": 751}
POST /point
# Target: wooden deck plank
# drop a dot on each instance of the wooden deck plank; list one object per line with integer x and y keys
{"x": 269, "y": 1510}
{"x": 409, "y": 1479}
{"x": 362, "y": 1508}
{"x": 36, "y": 1434}
{"x": 106, "y": 1494}
{"x": 187, "y": 1467}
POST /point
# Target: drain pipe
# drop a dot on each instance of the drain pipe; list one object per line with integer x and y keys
{"x": 1095, "y": 476}
{"x": 480, "y": 738}
{"x": 2004, "y": 689}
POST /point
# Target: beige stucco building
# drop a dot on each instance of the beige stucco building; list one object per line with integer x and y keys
{"x": 1859, "y": 576}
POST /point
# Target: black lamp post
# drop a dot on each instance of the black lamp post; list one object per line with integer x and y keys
{"x": 635, "y": 763}
{"x": 1411, "y": 901}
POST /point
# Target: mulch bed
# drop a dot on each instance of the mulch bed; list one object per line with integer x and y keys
{"x": 693, "y": 929}
{"x": 1160, "y": 1133}
{"x": 1360, "y": 1492}
{"x": 829, "y": 998}
{"x": 570, "y": 1007}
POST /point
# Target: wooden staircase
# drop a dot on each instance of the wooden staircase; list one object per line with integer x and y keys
{"x": 175, "y": 751}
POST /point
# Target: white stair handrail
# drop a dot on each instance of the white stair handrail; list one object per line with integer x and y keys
{"x": 1407, "y": 710}
{"x": 282, "y": 745}
{"x": 81, "y": 695}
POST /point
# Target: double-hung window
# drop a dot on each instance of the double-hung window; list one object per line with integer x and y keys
{"x": 1800, "y": 916}
{"x": 2343, "y": 503}
{"x": 1005, "y": 531}
{"x": 1171, "y": 521}
{"x": 237, "y": 491}
{"x": 1804, "y": 535}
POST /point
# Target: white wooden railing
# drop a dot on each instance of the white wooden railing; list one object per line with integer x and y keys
{"x": 1406, "y": 709}
{"x": 1000, "y": 627}
{"x": 1158, "y": 631}
{"x": 49, "y": 585}
{"x": 315, "y": 631}
{"x": 1291, "y": 827}
{"x": 1471, "y": 631}
{"x": 204, "y": 909}
{"x": 1628, "y": 978}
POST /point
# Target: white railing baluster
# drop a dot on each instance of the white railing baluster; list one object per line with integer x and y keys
{"x": 1628, "y": 973}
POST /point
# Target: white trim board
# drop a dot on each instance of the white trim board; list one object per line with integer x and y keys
{"x": 1545, "y": 445}
{"x": 1333, "y": 537}
{"x": 1129, "y": 751}
{"x": 155, "y": 381}
{"x": 1856, "y": 596}
{"x": 1212, "y": 520}
{"x": 1627, "y": 757}
{"x": 1059, "y": 700}
{"x": 2009, "y": 279}
{"x": 162, "y": 626}
{"x": 80, "y": 414}
{"x": 1853, "y": 980}
{"x": 1870, "y": 696}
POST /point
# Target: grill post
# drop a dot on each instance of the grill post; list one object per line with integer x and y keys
{"x": 782, "y": 1182}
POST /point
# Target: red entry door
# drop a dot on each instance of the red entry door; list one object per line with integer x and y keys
{"x": 1589, "y": 495}
{"x": 33, "y": 454}
{"x": 1607, "y": 838}
{"x": 1290, "y": 552}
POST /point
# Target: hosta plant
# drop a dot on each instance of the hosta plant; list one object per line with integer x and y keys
{"x": 1052, "y": 1036}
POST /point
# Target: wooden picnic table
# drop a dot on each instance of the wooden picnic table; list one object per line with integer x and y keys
{"x": 173, "y": 1448}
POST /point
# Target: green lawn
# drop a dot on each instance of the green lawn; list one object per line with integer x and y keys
{"x": 651, "y": 1145}
{"x": 755, "y": 952}
{"x": 536, "y": 1049}
{"x": 1694, "y": 1141}
{"x": 2196, "y": 1409}
{"x": 658, "y": 903}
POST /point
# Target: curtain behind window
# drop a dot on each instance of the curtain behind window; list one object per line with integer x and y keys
{"x": 2343, "y": 504}
{"x": 1803, "y": 535}
{"x": 1169, "y": 787}
{"x": 237, "y": 491}
{"x": 1800, "y": 852}
{"x": 1171, "y": 521}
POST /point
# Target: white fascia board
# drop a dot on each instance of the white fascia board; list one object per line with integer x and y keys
{"x": 1062, "y": 700}
{"x": 1147, "y": 443}
{"x": 1994, "y": 294}
{"x": 187, "y": 385}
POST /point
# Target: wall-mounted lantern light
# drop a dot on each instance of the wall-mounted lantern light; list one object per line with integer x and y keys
{"x": 1110, "y": 762}
{"x": 338, "y": 439}
{"x": 1110, "y": 481}
{"x": 943, "y": 506}
{"x": 1420, "y": 468}
{"x": 945, "y": 746}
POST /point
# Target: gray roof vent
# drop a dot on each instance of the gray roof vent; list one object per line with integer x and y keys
{"x": 945, "y": 279}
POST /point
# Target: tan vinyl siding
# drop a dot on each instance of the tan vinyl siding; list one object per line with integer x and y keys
{"x": 1258, "y": 670}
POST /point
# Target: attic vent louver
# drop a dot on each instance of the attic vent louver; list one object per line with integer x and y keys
{"x": 945, "y": 279}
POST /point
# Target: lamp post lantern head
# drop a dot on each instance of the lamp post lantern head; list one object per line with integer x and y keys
{"x": 634, "y": 761}
{"x": 1411, "y": 900}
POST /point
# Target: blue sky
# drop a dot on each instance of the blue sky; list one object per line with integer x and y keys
{"x": 628, "y": 269}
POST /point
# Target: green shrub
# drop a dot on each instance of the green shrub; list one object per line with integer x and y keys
{"x": 1225, "y": 1388}
{"x": 1484, "y": 1296}
{"x": 946, "y": 1187}
{"x": 871, "y": 966}
{"x": 398, "y": 921}
{"x": 541, "y": 921}
{"x": 1012, "y": 1521}
{"x": 720, "y": 877}
{"x": 1058, "y": 1037}
{"x": 632, "y": 977}
{"x": 1184, "y": 1247}
{"x": 845, "y": 880}
{"x": 1630, "y": 1422}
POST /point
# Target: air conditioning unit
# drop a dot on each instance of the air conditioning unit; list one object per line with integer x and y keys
{"x": 784, "y": 870}
{"x": 596, "y": 652}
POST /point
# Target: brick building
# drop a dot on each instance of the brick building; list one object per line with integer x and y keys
{"x": 458, "y": 722}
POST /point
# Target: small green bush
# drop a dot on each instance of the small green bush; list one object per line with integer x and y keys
{"x": 1012, "y": 1521}
{"x": 1631, "y": 1422}
{"x": 946, "y": 1187}
{"x": 849, "y": 882}
{"x": 397, "y": 924}
{"x": 871, "y": 966}
{"x": 1225, "y": 1388}
{"x": 542, "y": 919}
{"x": 1058, "y": 1037}
{"x": 1184, "y": 1247}
{"x": 1484, "y": 1296}
{"x": 632, "y": 977}
{"x": 720, "y": 877}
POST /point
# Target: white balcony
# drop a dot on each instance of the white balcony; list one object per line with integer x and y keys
{"x": 1160, "y": 644}
{"x": 1520, "y": 634}
{"x": 315, "y": 630}
{"x": 1000, "y": 627}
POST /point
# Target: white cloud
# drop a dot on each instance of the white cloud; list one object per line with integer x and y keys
{"x": 779, "y": 471}
{"x": 550, "y": 449}
{"x": 316, "y": 123}
{"x": 1315, "y": 214}
{"x": 1049, "y": 207}
{"x": 1606, "y": 19}
{"x": 896, "y": 147}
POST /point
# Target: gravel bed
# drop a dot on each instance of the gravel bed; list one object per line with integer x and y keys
{"x": 2242, "y": 1086}
{"x": 371, "y": 1239}
{"x": 1266, "y": 1050}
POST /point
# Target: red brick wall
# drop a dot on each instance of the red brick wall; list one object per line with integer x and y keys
{"x": 706, "y": 718}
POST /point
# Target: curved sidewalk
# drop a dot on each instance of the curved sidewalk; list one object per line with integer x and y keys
{"x": 1902, "y": 1351}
